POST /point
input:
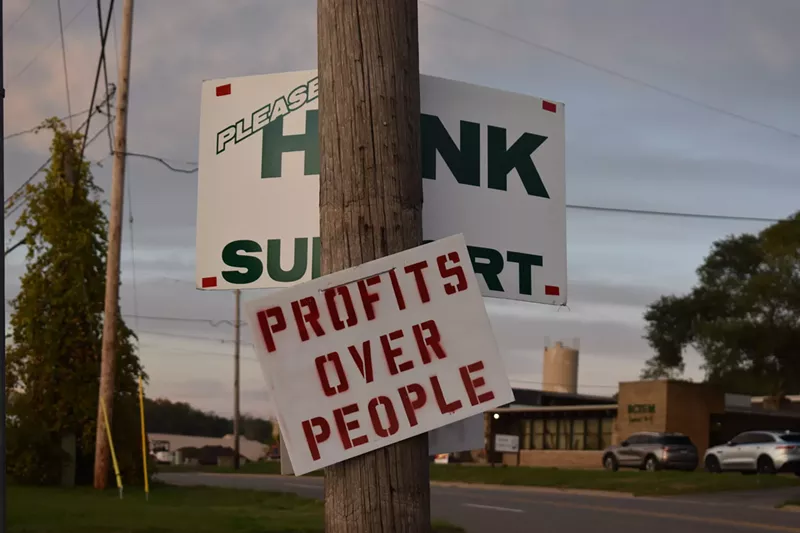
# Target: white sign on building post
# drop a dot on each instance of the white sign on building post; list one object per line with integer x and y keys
{"x": 373, "y": 355}
{"x": 506, "y": 443}
{"x": 492, "y": 169}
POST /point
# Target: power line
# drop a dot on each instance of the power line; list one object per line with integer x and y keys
{"x": 177, "y": 280}
{"x": 92, "y": 109}
{"x": 163, "y": 162}
{"x": 100, "y": 131}
{"x": 15, "y": 246}
{"x": 14, "y": 210}
{"x": 569, "y": 206}
{"x": 19, "y": 17}
{"x": 615, "y": 210}
{"x": 181, "y": 336}
{"x": 39, "y": 127}
{"x": 20, "y": 189}
{"x": 36, "y": 56}
{"x": 64, "y": 61}
{"x": 174, "y": 351}
{"x": 116, "y": 46}
{"x": 180, "y": 161}
{"x": 671, "y": 213}
{"x": 211, "y": 322}
{"x": 542, "y": 383}
{"x": 191, "y": 337}
{"x": 103, "y": 37}
{"x": 105, "y": 72}
{"x": 133, "y": 252}
{"x": 611, "y": 72}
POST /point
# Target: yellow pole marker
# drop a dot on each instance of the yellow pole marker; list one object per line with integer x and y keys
{"x": 111, "y": 445}
{"x": 144, "y": 440}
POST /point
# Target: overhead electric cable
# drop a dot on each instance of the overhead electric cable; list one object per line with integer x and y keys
{"x": 37, "y": 54}
{"x": 103, "y": 38}
{"x": 105, "y": 72}
{"x": 610, "y": 72}
{"x": 19, "y": 17}
{"x": 64, "y": 61}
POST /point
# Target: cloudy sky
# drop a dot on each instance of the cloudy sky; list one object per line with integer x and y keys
{"x": 689, "y": 105}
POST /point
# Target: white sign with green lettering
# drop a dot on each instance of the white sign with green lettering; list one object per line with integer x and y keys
{"x": 492, "y": 170}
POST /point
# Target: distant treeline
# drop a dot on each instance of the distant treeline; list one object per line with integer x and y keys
{"x": 180, "y": 418}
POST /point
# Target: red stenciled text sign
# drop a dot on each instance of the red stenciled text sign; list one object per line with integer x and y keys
{"x": 370, "y": 356}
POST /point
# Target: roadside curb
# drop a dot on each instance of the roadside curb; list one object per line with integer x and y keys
{"x": 463, "y": 485}
{"x": 527, "y": 489}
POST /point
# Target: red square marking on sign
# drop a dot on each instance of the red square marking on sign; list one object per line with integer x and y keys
{"x": 224, "y": 90}
{"x": 547, "y": 106}
{"x": 551, "y": 290}
{"x": 209, "y": 282}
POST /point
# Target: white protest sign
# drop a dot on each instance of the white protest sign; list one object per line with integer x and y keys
{"x": 370, "y": 356}
{"x": 492, "y": 169}
{"x": 461, "y": 436}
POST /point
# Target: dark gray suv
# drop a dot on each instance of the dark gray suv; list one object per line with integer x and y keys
{"x": 651, "y": 452}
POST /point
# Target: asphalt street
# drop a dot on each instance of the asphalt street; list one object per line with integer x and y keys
{"x": 481, "y": 509}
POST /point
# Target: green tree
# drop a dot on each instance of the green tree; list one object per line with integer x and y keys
{"x": 257, "y": 429}
{"x": 743, "y": 316}
{"x": 53, "y": 360}
{"x": 180, "y": 418}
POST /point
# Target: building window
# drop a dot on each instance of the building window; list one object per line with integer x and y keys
{"x": 593, "y": 434}
{"x": 607, "y": 431}
{"x": 564, "y": 434}
{"x": 579, "y": 435}
{"x": 526, "y": 434}
{"x": 538, "y": 434}
{"x": 550, "y": 434}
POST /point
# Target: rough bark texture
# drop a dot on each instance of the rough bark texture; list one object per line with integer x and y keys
{"x": 108, "y": 358}
{"x": 370, "y": 207}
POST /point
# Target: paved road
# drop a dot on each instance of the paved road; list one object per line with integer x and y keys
{"x": 523, "y": 510}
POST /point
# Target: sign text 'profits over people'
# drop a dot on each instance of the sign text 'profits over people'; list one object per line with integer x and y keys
{"x": 376, "y": 354}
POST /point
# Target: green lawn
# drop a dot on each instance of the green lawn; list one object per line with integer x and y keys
{"x": 170, "y": 510}
{"x": 630, "y": 481}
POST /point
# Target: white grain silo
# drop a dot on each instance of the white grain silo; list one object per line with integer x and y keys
{"x": 560, "y": 368}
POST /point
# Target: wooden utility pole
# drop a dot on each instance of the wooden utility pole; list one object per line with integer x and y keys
{"x": 111, "y": 314}
{"x": 237, "y": 336}
{"x": 371, "y": 206}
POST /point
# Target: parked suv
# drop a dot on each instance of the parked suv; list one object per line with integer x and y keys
{"x": 766, "y": 452}
{"x": 652, "y": 451}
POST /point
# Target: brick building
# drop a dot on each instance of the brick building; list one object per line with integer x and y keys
{"x": 571, "y": 430}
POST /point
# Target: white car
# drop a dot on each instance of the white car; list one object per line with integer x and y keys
{"x": 765, "y": 452}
